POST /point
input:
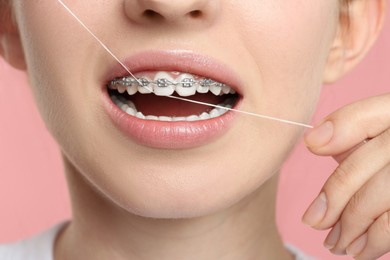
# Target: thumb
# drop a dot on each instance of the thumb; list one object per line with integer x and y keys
{"x": 343, "y": 131}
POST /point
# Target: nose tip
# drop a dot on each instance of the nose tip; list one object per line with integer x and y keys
{"x": 142, "y": 11}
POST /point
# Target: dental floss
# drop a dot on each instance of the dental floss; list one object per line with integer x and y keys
{"x": 174, "y": 97}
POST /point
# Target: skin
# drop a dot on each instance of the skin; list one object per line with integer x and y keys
{"x": 172, "y": 205}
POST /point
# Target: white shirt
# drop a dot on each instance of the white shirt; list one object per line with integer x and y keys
{"x": 40, "y": 247}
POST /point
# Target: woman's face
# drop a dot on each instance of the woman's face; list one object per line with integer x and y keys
{"x": 273, "y": 53}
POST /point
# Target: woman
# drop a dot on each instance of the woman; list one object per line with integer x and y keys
{"x": 168, "y": 179}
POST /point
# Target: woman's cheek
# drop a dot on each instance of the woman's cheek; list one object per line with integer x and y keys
{"x": 290, "y": 46}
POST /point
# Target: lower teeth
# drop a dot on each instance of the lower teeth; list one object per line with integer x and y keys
{"x": 129, "y": 108}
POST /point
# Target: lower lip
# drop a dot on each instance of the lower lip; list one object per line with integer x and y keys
{"x": 169, "y": 135}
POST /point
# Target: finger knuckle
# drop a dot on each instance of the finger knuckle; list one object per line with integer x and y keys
{"x": 356, "y": 206}
{"x": 384, "y": 140}
{"x": 340, "y": 179}
{"x": 384, "y": 223}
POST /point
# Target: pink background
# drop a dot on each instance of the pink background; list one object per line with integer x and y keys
{"x": 33, "y": 194}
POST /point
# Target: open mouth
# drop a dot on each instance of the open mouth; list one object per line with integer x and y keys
{"x": 146, "y": 96}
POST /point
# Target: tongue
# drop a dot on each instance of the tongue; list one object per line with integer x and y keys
{"x": 164, "y": 106}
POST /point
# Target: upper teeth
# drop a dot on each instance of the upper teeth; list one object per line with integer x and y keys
{"x": 164, "y": 85}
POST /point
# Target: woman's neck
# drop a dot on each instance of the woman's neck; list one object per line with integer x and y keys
{"x": 100, "y": 229}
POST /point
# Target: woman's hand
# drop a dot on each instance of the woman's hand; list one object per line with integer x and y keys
{"x": 355, "y": 200}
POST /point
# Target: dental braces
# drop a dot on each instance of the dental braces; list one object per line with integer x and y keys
{"x": 164, "y": 83}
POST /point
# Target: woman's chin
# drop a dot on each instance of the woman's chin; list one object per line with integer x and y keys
{"x": 163, "y": 198}
{"x": 178, "y": 209}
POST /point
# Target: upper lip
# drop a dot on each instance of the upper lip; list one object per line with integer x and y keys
{"x": 177, "y": 60}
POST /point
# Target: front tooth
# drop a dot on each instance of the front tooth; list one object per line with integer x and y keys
{"x": 131, "y": 104}
{"x": 132, "y": 89}
{"x": 124, "y": 107}
{"x": 146, "y": 88}
{"x": 192, "y": 118}
{"x": 228, "y": 106}
{"x": 225, "y": 89}
{"x": 131, "y": 111}
{"x": 165, "y": 84}
{"x": 140, "y": 115}
{"x": 216, "y": 89}
{"x": 175, "y": 119}
{"x": 113, "y": 85}
{"x": 222, "y": 111}
{"x": 203, "y": 88}
{"x": 186, "y": 85}
{"x": 121, "y": 89}
{"x": 205, "y": 116}
{"x": 151, "y": 117}
{"x": 165, "y": 118}
{"x": 214, "y": 113}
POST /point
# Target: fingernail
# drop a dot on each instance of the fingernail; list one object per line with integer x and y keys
{"x": 320, "y": 135}
{"x": 316, "y": 211}
{"x": 357, "y": 246}
{"x": 333, "y": 236}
